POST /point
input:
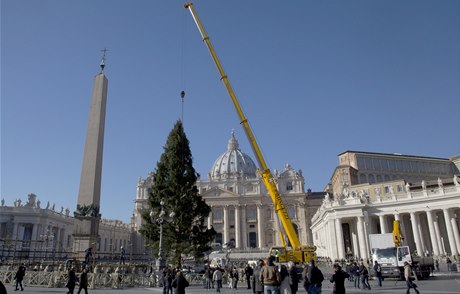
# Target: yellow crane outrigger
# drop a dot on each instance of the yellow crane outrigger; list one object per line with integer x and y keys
{"x": 297, "y": 252}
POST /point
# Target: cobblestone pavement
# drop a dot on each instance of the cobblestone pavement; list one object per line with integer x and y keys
{"x": 442, "y": 283}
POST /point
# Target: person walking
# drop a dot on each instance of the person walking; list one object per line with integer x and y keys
{"x": 248, "y": 272}
{"x": 378, "y": 273}
{"x": 315, "y": 277}
{"x": 217, "y": 277}
{"x": 71, "y": 280}
{"x": 88, "y": 254}
{"x": 179, "y": 283}
{"x": 364, "y": 273}
{"x": 2, "y": 288}
{"x": 257, "y": 287}
{"x": 20, "y": 276}
{"x": 355, "y": 273}
{"x": 409, "y": 279}
{"x": 168, "y": 277}
{"x": 234, "y": 278}
{"x": 122, "y": 255}
{"x": 207, "y": 278}
{"x": 83, "y": 281}
{"x": 285, "y": 288}
{"x": 338, "y": 278}
{"x": 270, "y": 277}
{"x": 293, "y": 278}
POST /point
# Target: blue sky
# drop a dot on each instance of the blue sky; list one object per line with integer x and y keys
{"x": 315, "y": 78}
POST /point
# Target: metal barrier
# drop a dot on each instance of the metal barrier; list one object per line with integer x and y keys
{"x": 58, "y": 279}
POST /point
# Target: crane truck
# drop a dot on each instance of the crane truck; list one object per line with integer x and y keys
{"x": 388, "y": 251}
{"x": 291, "y": 249}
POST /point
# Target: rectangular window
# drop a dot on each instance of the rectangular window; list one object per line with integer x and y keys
{"x": 269, "y": 214}
{"x": 251, "y": 214}
{"x": 289, "y": 186}
{"x": 291, "y": 212}
{"x": 230, "y": 189}
{"x": 387, "y": 189}
{"x": 217, "y": 214}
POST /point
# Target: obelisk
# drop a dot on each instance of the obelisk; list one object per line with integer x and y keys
{"x": 87, "y": 214}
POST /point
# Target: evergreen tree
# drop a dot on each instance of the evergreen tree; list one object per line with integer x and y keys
{"x": 174, "y": 183}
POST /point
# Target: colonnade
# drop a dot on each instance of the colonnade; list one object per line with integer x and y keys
{"x": 429, "y": 232}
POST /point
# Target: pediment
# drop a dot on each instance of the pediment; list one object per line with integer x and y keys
{"x": 218, "y": 192}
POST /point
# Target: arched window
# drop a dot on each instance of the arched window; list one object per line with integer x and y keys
{"x": 362, "y": 178}
{"x": 371, "y": 179}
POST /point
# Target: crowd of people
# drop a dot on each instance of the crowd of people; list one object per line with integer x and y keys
{"x": 263, "y": 277}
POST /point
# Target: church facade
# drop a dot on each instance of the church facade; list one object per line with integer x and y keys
{"x": 366, "y": 192}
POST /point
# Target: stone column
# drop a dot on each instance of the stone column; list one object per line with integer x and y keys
{"x": 340, "y": 244}
{"x": 332, "y": 240}
{"x": 438, "y": 234}
{"x": 354, "y": 237}
{"x": 383, "y": 224}
{"x": 414, "y": 223}
{"x": 456, "y": 235}
{"x": 226, "y": 226}
{"x": 243, "y": 224}
{"x": 432, "y": 233}
{"x": 361, "y": 237}
{"x": 237, "y": 227}
{"x": 34, "y": 232}
{"x": 210, "y": 219}
{"x": 450, "y": 232}
{"x": 260, "y": 226}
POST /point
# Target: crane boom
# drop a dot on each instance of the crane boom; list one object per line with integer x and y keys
{"x": 266, "y": 174}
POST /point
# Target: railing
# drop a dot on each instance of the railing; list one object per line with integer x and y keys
{"x": 58, "y": 279}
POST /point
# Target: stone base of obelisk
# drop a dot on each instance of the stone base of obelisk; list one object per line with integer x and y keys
{"x": 85, "y": 236}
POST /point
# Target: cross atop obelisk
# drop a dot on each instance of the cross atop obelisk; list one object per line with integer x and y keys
{"x": 87, "y": 214}
{"x": 102, "y": 65}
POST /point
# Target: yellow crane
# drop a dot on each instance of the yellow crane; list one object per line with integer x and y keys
{"x": 297, "y": 252}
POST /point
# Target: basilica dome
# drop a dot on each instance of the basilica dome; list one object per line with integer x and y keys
{"x": 233, "y": 163}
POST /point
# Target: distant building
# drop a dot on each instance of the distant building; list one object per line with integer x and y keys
{"x": 369, "y": 190}
{"x": 41, "y": 232}
{"x": 366, "y": 192}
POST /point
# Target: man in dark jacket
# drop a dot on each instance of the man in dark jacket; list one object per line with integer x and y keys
{"x": 20, "y": 276}
{"x": 83, "y": 281}
{"x": 248, "y": 272}
{"x": 316, "y": 278}
{"x": 71, "y": 280}
{"x": 179, "y": 283}
{"x": 378, "y": 272}
{"x": 293, "y": 278}
{"x": 338, "y": 278}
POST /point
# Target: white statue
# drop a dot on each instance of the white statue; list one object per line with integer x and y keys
{"x": 392, "y": 192}
{"x": 440, "y": 183}
{"x": 423, "y": 185}
{"x": 407, "y": 187}
{"x": 377, "y": 191}
{"x": 327, "y": 197}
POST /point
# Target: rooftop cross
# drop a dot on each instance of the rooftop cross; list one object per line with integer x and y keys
{"x": 102, "y": 65}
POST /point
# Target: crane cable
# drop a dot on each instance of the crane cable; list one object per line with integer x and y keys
{"x": 182, "y": 62}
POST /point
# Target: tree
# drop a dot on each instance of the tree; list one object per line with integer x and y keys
{"x": 174, "y": 183}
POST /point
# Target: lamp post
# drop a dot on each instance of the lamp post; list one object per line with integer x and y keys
{"x": 160, "y": 263}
